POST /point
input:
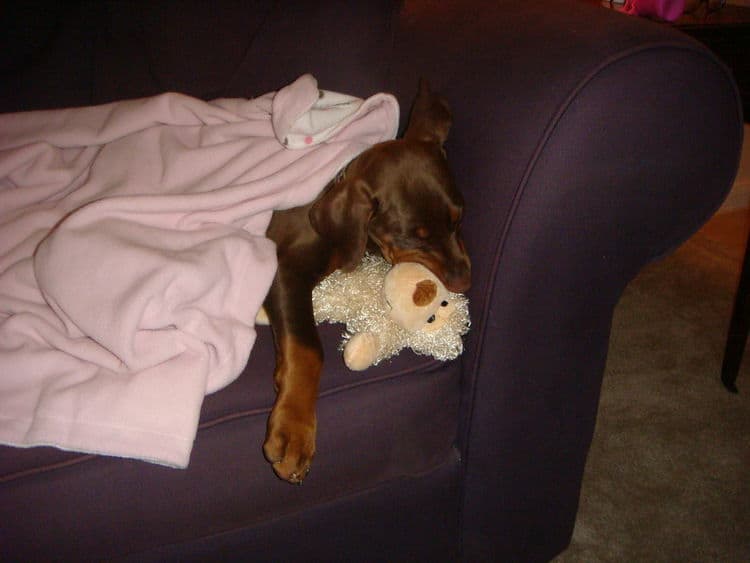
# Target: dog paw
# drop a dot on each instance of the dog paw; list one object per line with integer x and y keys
{"x": 290, "y": 444}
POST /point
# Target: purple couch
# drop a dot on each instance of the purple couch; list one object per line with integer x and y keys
{"x": 586, "y": 143}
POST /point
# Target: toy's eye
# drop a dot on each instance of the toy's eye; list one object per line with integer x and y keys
{"x": 431, "y": 319}
{"x": 444, "y": 304}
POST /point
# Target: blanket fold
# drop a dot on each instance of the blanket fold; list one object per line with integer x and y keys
{"x": 133, "y": 256}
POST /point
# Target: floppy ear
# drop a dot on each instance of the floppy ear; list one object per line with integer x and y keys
{"x": 342, "y": 215}
{"x": 430, "y": 118}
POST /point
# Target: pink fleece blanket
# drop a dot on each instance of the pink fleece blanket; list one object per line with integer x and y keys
{"x": 133, "y": 258}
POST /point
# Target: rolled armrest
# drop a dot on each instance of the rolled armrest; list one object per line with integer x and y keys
{"x": 587, "y": 143}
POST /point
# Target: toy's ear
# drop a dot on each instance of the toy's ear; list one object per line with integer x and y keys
{"x": 430, "y": 118}
{"x": 424, "y": 293}
{"x": 342, "y": 215}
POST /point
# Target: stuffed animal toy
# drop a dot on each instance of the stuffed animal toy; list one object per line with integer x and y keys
{"x": 386, "y": 309}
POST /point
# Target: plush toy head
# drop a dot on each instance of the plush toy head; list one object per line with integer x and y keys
{"x": 416, "y": 298}
{"x": 389, "y": 308}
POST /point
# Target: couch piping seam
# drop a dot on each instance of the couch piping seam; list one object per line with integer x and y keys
{"x": 451, "y": 458}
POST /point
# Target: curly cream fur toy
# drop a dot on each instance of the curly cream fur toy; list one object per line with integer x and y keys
{"x": 387, "y": 308}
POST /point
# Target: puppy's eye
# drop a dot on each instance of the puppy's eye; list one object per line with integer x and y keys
{"x": 455, "y": 219}
{"x": 443, "y": 303}
{"x": 422, "y": 232}
{"x": 431, "y": 319}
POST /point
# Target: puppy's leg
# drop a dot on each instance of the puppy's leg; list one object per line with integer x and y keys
{"x": 290, "y": 436}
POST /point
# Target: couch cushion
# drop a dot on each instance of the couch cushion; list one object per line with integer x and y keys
{"x": 397, "y": 419}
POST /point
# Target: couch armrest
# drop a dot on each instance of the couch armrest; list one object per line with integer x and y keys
{"x": 587, "y": 144}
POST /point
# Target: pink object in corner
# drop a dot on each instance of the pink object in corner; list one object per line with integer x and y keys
{"x": 668, "y": 10}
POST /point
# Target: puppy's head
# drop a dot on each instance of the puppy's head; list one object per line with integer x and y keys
{"x": 400, "y": 196}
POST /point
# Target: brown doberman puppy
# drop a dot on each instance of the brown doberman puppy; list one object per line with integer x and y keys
{"x": 399, "y": 199}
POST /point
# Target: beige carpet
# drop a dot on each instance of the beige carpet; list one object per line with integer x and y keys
{"x": 668, "y": 475}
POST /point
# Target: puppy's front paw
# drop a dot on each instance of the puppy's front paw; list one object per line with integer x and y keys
{"x": 290, "y": 443}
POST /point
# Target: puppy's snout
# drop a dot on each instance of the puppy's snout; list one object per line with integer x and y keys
{"x": 458, "y": 279}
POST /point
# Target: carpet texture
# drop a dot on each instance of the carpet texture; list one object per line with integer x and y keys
{"x": 668, "y": 474}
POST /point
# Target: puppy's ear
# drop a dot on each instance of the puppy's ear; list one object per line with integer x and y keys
{"x": 341, "y": 216}
{"x": 430, "y": 118}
